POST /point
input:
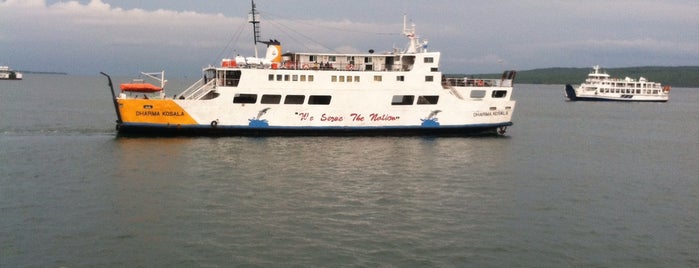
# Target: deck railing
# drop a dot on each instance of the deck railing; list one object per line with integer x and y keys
{"x": 328, "y": 66}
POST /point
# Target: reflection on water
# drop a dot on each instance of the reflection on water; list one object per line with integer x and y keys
{"x": 312, "y": 193}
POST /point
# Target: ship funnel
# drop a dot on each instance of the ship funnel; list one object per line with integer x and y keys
{"x": 274, "y": 51}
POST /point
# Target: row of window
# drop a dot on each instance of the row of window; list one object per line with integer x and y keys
{"x": 276, "y": 99}
{"x": 401, "y": 78}
{"x": 621, "y": 84}
{"x": 629, "y": 91}
{"x": 314, "y": 58}
{"x": 287, "y": 77}
{"x": 343, "y": 78}
{"x": 409, "y": 100}
{"x": 325, "y": 99}
{"x": 479, "y": 94}
{"x": 334, "y": 78}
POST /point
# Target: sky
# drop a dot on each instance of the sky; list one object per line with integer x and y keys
{"x": 126, "y": 37}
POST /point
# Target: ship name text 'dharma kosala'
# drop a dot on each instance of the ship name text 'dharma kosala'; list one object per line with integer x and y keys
{"x": 402, "y": 92}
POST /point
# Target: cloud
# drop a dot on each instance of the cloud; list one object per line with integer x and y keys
{"x": 106, "y": 37}
{"x": 88, "y": 37}
{"x": 102, "y": 36}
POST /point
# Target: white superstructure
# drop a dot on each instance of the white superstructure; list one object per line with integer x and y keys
{"x": 599, "y": 86}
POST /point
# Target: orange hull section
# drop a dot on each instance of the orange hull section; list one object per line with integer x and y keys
{"x": 154, "y": 112}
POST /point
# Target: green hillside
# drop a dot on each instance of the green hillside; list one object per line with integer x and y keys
{"x": 681, "y": 76}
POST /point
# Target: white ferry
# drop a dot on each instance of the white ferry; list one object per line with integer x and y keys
{"x": 402, "y": 92}
{"x": 7, "y": 74}
{"x": 600, "y": 87}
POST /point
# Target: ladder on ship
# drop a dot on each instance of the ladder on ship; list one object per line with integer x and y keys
{"x": 198, "y": 90}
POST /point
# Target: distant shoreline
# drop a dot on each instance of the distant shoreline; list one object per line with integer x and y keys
{"x": 37, "y": 72}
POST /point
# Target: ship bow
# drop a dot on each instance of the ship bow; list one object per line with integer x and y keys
{"x": 570, "y": 92}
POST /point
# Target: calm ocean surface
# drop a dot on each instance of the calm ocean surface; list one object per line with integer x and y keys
{"x": 573, "y": 184}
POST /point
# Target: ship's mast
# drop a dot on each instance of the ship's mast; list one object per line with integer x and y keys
{"x": 415, "y": 44}
{"x": 410, "y": 34}
{"x": 253, "y": 18}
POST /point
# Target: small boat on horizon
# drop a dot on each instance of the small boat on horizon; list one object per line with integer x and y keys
{"x": 599, "y": 86}
{"x": 7, "y": 74}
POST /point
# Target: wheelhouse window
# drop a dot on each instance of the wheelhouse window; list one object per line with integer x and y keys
{"x": 271, "y": 99}
{"x": 319, "y": 100}
{"x": 427, "y": 99}
{"x": 477, "y": 94}
{"x": 402, "y": 100}
{"x": 429, "y": 59}
{"x": 499, "y": 93}
{"x": 230, "y": 78}
{"x": 245, "y": 98}
{"x": 429, "y": 78}
{"x": 294, "y": 99}
{"x": 400, "y": 78}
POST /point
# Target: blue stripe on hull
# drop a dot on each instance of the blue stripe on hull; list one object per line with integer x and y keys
{"x": 615, "y": 100}
{"x": 127, "y": 129}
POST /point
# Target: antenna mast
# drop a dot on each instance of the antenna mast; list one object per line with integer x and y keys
{"x": 410, "y": 34}
{"x": 254, "y": 18}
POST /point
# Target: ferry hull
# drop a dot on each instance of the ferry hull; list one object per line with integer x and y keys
{"x": 399, "y": 93}
{"x": 136, "y": 129}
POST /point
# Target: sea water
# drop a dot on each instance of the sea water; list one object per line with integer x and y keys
{"x": 571, "y": 184}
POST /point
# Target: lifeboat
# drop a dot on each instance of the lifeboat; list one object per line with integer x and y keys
{"x": 140, "y": 87}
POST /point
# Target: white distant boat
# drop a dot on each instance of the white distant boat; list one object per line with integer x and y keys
{"x": 600, "y": 87}
{"x": 401, "y": 92}
{"x": 7, "y": 74}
